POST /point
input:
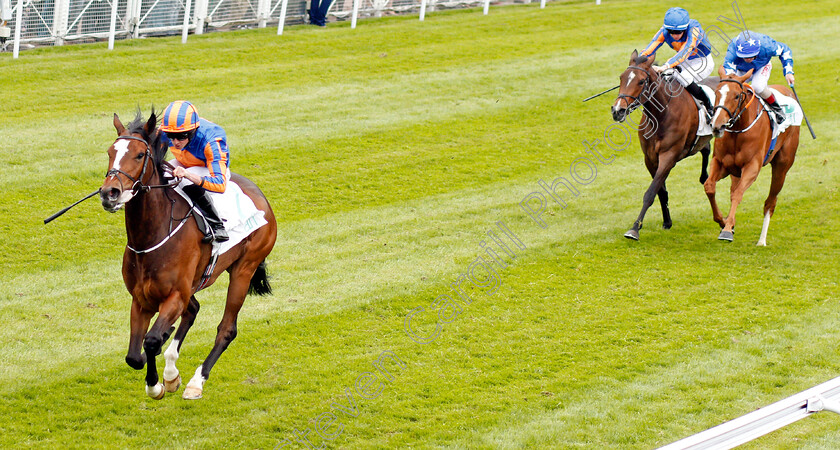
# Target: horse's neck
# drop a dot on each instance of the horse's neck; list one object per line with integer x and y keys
{"x": 147, "y": 216}
{"x": 753, "y": 109}
{"x": 659, "y": 101}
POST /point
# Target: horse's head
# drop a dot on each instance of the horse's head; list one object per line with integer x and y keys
{"x": 131, "y": 161}
{"x": 730, "y": 95}
{"x": 632, "y": 85}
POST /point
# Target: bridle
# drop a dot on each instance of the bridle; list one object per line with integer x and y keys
{"x": 739, "y": 108}
{"x": 137, "y": 183}
{"x": 632, "y": 106}
{"x": 138, "y": 186}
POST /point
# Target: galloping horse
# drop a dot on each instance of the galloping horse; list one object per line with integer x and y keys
{"x": 667, "y": 131}
{"x": 743, "y": 134}
{"x": 164, "y": 259}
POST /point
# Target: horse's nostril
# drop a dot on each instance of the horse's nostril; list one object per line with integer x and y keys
{"x": 113, "y": 193}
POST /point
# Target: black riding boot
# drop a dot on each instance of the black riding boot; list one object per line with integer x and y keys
{"x": 697, "y": 92}
{"x": 199, "y": 197}
{"x": 777, "y": 111}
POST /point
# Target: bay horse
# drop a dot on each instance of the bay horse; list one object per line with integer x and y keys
{"x": 667, "y": 130}
{"x": 743, "y": 134}
{"x": 164, "y": 258}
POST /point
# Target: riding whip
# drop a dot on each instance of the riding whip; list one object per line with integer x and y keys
{"x": 602, "y": 93}
{"x": 803, "y": 112}
{"x": 50, "y": 218}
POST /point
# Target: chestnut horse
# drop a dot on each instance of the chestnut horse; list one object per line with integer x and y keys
{"x": 667, "y": 131}
{"x": 743, "y": 133}
{"x": 164, "y": 259}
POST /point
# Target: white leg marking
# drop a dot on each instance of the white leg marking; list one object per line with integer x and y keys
{"x": 171, "y": 357}
{"x": 762, "y": 241}
{"x": 195, "y": 386}
{"x": 155, "y": 391}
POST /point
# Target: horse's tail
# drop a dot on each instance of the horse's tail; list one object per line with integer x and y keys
{"x": 259, "y": 282}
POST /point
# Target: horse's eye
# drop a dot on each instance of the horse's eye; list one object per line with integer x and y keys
{"x": 139, "y": 157}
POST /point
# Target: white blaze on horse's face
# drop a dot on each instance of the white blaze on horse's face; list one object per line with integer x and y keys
{"x": 630, "y": 78}
{"x": 121, "y": 146}
{"x": 723, "y": 91}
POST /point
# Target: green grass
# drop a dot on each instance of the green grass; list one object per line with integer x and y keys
{"x": 387, "y": 152}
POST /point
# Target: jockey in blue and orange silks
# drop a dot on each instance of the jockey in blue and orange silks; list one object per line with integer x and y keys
{"x": 197, "y": 142}
{"x": 693, "y": 61}
{"x": 753, "y": 51}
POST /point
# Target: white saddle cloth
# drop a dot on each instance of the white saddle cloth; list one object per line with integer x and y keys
{"x": 705, "y": 128}
{"x": 237, "y": 211}
{"x": 791, "y": 108}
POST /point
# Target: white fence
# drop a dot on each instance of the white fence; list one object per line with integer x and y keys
{"x": 56, "y": 22}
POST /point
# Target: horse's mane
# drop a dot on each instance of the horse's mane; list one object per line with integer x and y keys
{"x": 640, "y": 59}
{"x": 155, "y": 142}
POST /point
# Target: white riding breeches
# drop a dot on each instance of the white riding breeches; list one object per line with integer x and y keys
{"x": 759, "y": 80}
{"x": 694, "y": 69}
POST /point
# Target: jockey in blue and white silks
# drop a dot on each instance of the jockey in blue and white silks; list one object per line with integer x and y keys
{"x": 751, "y": 50}
{"x": 693, "y": 61}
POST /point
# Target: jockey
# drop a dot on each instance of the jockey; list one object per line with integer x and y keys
{"x": 751, "y": 50}
{"x": 693, "y": 61}
{"x": 198, "y": 142}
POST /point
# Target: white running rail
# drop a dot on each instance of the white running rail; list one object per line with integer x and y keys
{"x": 762, "y": 421}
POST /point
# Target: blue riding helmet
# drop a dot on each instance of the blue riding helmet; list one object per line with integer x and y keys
{"x": 748, "y": 46}
{"x": 676, "y": 19}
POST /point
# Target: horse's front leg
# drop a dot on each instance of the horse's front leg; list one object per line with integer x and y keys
{"x": 716, "y": 173}
{"x": 666, "y": 213}
{"x": 748, "y": 176}
{"x": 666, "y": 163}
{"x": 168, "y": 313}
{"x": 139, "y": 324}
{"x": 171, "y": 376}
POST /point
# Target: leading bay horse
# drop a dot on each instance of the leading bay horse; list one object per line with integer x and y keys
{"x": 743, "y": 133}
{"x": 164, "y": 259}
{"x": 667, "y": 131}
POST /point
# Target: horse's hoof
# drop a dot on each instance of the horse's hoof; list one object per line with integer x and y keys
{"x": 667, "y": 226}
{"x": 172, "y": 385}
{"x": 192, "y": 393}
{"x": 156, "y": 392}
{"x": 632, "y": 234}
{"x": 727, "y": 236}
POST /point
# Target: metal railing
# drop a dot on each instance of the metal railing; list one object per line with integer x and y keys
{"x": 825, "y": 397}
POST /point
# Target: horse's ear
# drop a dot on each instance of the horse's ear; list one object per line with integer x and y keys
{"x": 633, "y": 57}
{"x": 721, "y": 72}
{"x": 746, "y": 76}
{"x": 151, "y": 124}
{"x": 118, "y": 125}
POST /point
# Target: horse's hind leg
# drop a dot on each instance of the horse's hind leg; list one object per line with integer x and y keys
{"x": 666, "y": 213}
{"x": 226, "y": 331}
{"x": 780, "y": 170}
{"x": 704, "y": 175}
{"x": 171, "y": 376}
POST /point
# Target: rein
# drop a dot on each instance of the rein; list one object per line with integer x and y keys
{"x": 138, "y": 187}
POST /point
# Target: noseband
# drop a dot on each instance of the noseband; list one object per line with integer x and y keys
{"x": 137, "y": 182}
{"x": 739, "y": 108}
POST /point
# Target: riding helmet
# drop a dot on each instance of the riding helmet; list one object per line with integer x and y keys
{"x": 676, "y": 19}
{"x": 747, "y": 45}
{"x": 179, "y": 117}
